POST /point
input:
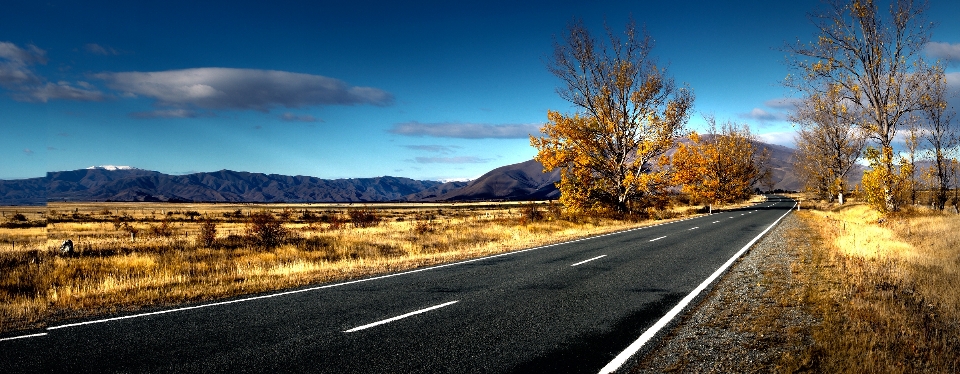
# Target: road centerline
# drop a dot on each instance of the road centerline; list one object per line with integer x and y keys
{"x": 388, "y": 320}
{"x": 653, "y": 240}
{"x": 586, "y": 261}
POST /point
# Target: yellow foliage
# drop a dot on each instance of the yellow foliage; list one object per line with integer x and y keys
{"x": 721, "y": 167}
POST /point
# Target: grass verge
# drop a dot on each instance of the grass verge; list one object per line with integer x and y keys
{"x": 885, "y": 290}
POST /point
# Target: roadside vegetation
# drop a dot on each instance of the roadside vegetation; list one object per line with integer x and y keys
{"x": 883, "y": 288}
{"x": 130, "y": 256}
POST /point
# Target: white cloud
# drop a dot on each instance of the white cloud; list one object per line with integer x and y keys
{"x": 17, "y": 76}
{"x": 451, "y": 160}
{"x": 31, "y": 55}
{"x": 947, "y": 52}
{"x": 227, "y": 88}
{"x": 465, "y": 130}
{"x": 764, "y": 116}
{"x": 15, "y": 64}
{"x": 784, "y": 138}
{"x": 290, "y": 117}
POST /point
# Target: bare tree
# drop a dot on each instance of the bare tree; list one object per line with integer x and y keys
{"x": 941, "y": 133}
{"x": 828, "y": 146}
{"x": 874, "y": 59}
{"x": 908, "y": 167}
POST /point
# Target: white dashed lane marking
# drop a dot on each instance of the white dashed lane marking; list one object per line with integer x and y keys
{"x": 388, "y": 320}
{"x": 586, "y": 261}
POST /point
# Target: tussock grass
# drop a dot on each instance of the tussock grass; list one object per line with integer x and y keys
{"x": 885, "y": 289}
{"x": 164, "y": 263}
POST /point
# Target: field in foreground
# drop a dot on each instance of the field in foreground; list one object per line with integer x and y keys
{"x": 131, "y": 256}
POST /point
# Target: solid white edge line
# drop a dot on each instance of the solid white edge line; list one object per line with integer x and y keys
{"x": 388, "y": 320}
{"x": 337, "y": 284}
{"x": 586, "y": 261}
{"x": 23, "y": 336}
{"x": 653, "y": 330}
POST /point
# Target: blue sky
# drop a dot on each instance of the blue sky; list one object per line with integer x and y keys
{"x": 426, "y": 90}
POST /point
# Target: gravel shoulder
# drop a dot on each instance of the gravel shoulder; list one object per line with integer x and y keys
{"x": 752, "y": 321}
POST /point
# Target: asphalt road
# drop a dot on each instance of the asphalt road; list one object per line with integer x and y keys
{"x": 571, "y": 307}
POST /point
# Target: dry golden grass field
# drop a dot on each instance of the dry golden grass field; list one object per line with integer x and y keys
{"x": 130, "y": 256}
{"x": 885, "y": 290}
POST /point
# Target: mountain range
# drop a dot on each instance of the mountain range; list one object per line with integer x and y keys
{"x": 521, "y": 181}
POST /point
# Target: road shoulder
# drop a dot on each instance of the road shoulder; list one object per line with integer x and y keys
{"x": 751, "y": 321}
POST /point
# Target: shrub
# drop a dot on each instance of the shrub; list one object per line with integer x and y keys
{"x": 236, "y": 214}
{"x": 424, "y": 224}
{"x": 532, "y": 213}
{"x": 364, "y": 218}
{"x": 264, "y": 230}
{"x": 163, "y": 229}
{"x": 308, "y": 216}
{"x": 18, "y": 217}
{"x": 208, "y": 233}
{"x": 286, "y": 214}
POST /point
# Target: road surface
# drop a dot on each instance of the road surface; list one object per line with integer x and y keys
{"x": 572, "y": 307}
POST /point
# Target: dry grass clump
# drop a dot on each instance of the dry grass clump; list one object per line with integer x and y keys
{"x": 885, "y": 290}
{"x": 130, "y": 256}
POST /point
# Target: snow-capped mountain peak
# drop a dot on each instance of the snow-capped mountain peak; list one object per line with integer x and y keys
{"x": 112, "y": 167}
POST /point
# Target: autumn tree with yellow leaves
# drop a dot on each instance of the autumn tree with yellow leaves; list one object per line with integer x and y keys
{"x": 721, "y": 166}
{"x": 874, "y": 59}
{"x": 629, "y": 114}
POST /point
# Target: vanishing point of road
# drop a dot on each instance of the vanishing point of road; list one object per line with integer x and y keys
{"x": 576, "y": 307}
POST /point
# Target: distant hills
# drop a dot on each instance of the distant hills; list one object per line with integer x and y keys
{"x": 521, "y": 181}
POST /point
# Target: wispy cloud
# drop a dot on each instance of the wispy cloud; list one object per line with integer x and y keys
{"x": 764, "y": 116}
{"x": 49, "y": 148}
{"x": 97, "y": 49}
{"x": 62, "y": 90}
{"x": 290, "y": 117}
{"x": 465, "y": 130}
{"x": 442, "y": 149}
{"x": 451, "y": 160}
{"x": 949, "y": 53}
{"x": 18, "y": 77}
{"x": 170, "y": 113}
{"x": 783, "y": 103}
{"x": 28, "y": 152}
{"x": 241, "y": 89}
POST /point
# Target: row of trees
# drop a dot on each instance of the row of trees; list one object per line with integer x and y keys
{"x": 863, "y": 81}
{"x": 613, "y": 153}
